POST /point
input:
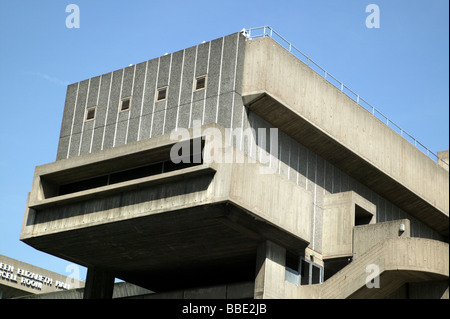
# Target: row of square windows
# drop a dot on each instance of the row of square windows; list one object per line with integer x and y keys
{"x": 161, "y": 95}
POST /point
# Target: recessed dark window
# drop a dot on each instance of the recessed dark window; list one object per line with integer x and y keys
{"x": 90, "y": 113}
{"x": 161, "y": 94}
{"x": 316, "y": 275}
{"x": 292, "y": 260}
{"x": 132, "y": 173}
{"x": 125, "y": 104}
{"x": 200, "y": 82}
{"x": 304, "y": 272}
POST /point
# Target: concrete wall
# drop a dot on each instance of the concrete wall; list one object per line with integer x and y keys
{"x": 443, "y": 159}
{"x": 339, "y": 221}
{"x": 306, "y": 92}
{"x": 230, "y": 291}
{"x": 220, "y": 102}
{"x": 301, "y": 209}
{"x": 316, "y": 175}
{"x": 246, "y": 184}
{"x": 273, "y": 198}
{"x": 428, "y": 290}
{"x": 367, "y": 236}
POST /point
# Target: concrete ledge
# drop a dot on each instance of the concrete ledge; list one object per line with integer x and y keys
{"x": 399, "y": 260}
{"x": 367, "y": 236}
{"x": 122, "y": 187}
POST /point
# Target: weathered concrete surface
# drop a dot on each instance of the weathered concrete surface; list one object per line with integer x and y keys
{"x": 208, "y": 214}
{"x": 269, "y": 281}
{"x": 147, "y": 118}
{"x": 367, "y": 236}
{"x": 340, "y": 213}
{"x": 99, "y": 284}
{"x": 245, "y": 184}
{"x": 399, "y": 260}
{"x": 273, "y": 198}
{"x": 287, "y": 93}
{"x": 121, "y": 290}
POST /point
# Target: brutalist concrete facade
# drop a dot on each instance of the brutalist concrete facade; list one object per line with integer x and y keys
{"x": 221, "y": 60}
{"x": 321, "y": 191}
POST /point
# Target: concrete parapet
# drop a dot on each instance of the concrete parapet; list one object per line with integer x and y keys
{"x": 367, "y": 236}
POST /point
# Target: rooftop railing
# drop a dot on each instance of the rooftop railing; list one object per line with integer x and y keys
{"x": 266, "y": 31}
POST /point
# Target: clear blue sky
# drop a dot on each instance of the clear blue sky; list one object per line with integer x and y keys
{"x": 401, "y": 68}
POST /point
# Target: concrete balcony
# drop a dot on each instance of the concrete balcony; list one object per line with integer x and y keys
{"x": 189, "y": 226}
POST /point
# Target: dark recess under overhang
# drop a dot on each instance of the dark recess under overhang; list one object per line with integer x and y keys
{"x": 325, "y": 146}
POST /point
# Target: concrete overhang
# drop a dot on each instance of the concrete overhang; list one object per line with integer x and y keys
{"x": 288, "y": 94}
{"x": 187, "y": 227}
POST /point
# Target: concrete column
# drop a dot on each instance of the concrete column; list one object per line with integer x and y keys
{"x": 99, "y": 284}
{"x": 270, "y": 271}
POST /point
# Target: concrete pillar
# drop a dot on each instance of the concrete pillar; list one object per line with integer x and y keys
{"x": 270, "y": 271}
{"x": 99, "y": 284}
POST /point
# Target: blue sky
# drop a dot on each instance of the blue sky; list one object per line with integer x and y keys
{"x": 401, "y": 68}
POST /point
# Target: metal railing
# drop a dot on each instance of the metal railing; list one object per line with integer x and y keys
{"x": 266, "y": 31}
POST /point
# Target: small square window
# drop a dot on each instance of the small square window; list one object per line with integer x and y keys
{"x": 161, "y": 94}
{"x": 200, "y": 82}
{"x": 125, "y": 104}
{"x": 90, "y": 113}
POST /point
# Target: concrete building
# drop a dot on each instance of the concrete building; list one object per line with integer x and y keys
{"x": 287, "y": 188}
{"x": 19, "y": 279}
